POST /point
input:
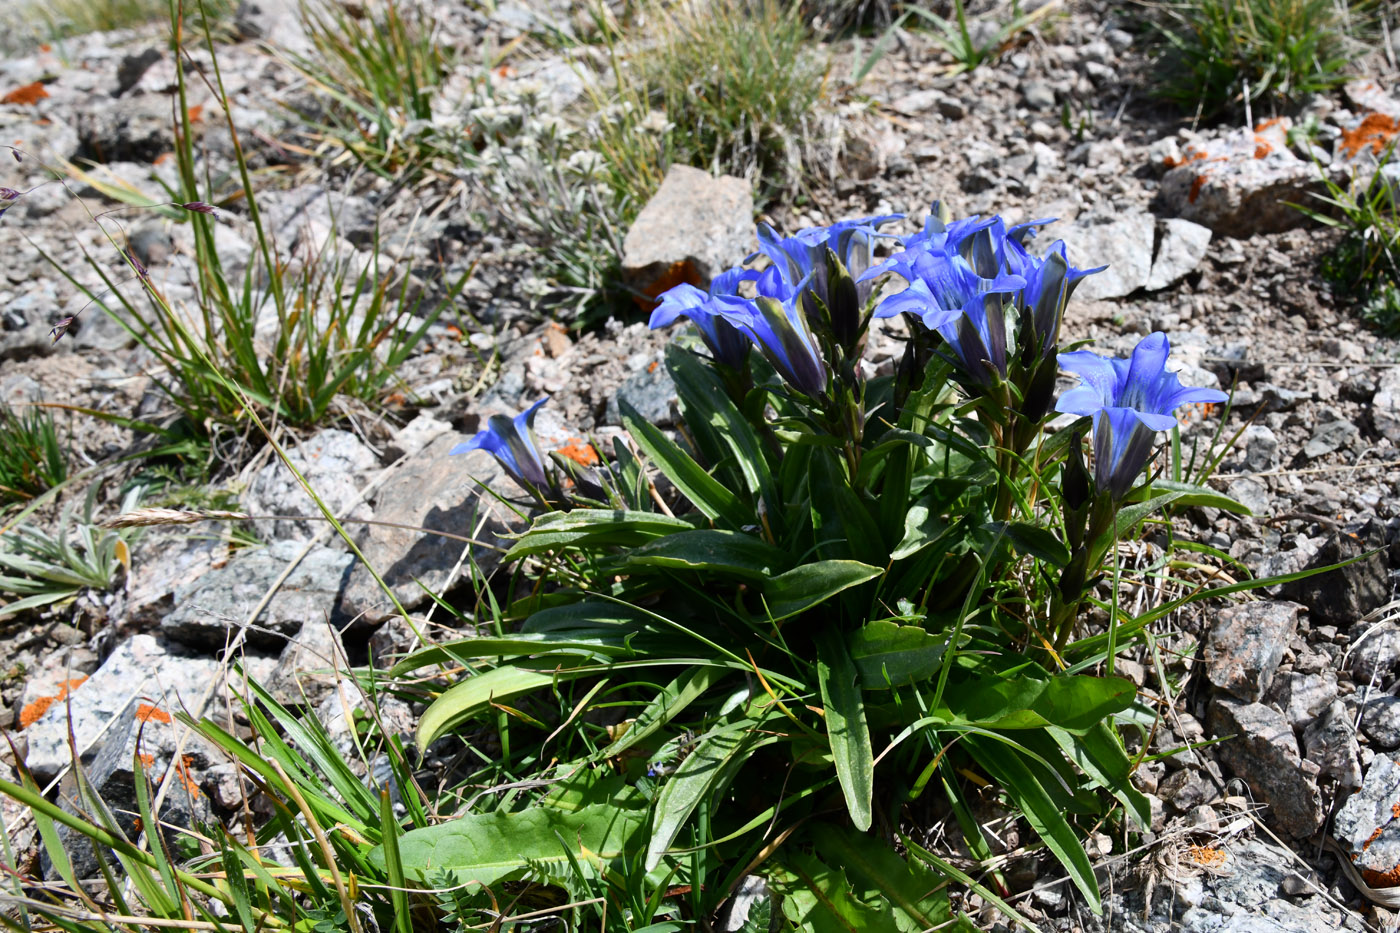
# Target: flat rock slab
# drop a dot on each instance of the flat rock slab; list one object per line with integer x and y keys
{"x": 145, "y": 669}
{"x": 1124, "y": 244}
{"x": 210, "y": 612}
{"x": 335, "y": 463}
{"x": 1368, "y": 824}
{"x": 1246, "y": 645}
{"x": 693, "y": 228}
{"x": 440, "y": 492}
{"x": 1343, "y": 596}
{"x": 1180, "y": 248}
{"x": 1264, "y": 753}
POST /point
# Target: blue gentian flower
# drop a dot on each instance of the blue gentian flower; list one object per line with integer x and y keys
{"x": 726, "y": 344}
{"x": 778, "y": 326}
{"x": 804, "y": 253}
{"x": 1130, "y": 401}
{"x": 512, "y": 442}
{"x": 1050, "y": 281}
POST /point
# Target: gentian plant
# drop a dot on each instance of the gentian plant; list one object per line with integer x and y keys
{"x": 849, "y": 595}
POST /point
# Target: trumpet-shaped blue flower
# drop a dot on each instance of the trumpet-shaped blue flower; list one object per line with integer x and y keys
{"x": 777, "y": 324}
{"x": 1050, "y": 281}
{"x": 1130, "y": 401}
{"x": 704, "y": 309}
{"x": 804, "y": 253}
{"x": 512, "y": 442}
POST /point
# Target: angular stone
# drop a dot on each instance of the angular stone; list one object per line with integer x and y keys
{"x": 1331, "y": 436}
{"x": 1374, "y": 651}
{"x": 651, "y": 392}
{"x": 1342, "y": 596}
{"x": 1330, "y": 743}
{"x": 1240, "y": 183}
{"x": 335, "y": 463}
{"x": 1181, "y": 247}
{"x": 693, "y": 228}
{"x": 1385, "y": 404}
{"x": 440, "y": 492}
{"x": 210, "y": 612}
{"x": 1124, "y": 244}
{"x": 134, "y": 129}
{"x": 1246, "y": 644}
{"x": 1368, "y": 824}
{"x": 1264, "y": 754}
{"x": 148, "y": 733}
{"x": 306, "y": 671}
{"x": 1304, "y": 696}
{"x": 145, "y": 669}
{"x": 1381, "y": 721}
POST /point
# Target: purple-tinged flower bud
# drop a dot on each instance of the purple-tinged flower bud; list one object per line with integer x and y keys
{"x": 199, "y": 207}
{"x": 61, "y": 328}
{"x": 512, "y": 442}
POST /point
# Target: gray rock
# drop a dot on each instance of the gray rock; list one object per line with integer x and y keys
{"x": 1343, "y": 596}
{"x": 1260, "y": 448}
{"x": 133, "y": 66}
{"x": 1330, "y": 743}
{"x": 132, "y": 129}
{"x": 1240, "y": 183}
{"x": 1333, "y": 435}
{"x": 1255, "y": 888}
{"x": 1374, "y": 651}
{"x": 147, "y": 669}
{"x": 1123, "y": 243}
{"x": 163, "y": 563}
{"x": 209, "y": 612}
{"x": 151, "y": 732}
{"x": 651, "y": 392}
{"x": 1038, "y": 95}
{"x": 1246, "y": 644}
{"x": 304, "y": 218}
{"x": 416, "y": 435}
{"x": 1367, "y": 826}
{"x": 1385, "y": 404}
{"x": 25, "y": 322}
{"x": 443, "y": 493}
{"x": 1265, "y": 755}
{"x": 1380, "y": 721}
{"x": 1181, "y": 247}
{"x": 306, "y": 671}
{"x": 1253, "y": 494}
{"x": 335, "y": 463}
{"x": 1304, "y": 696}
{"x": 693, "y": 228}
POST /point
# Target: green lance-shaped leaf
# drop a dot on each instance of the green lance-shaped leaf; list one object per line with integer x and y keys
{"x": 1021, "y": 784}
{"x": 810, "y": 584}
{"x": 845, "y": 725}
{"x": 731, "y": 553}
{"x": 919, "y": 898}
{"x": 714, "y": 500}
{"x": 706, "y": 770}
{"x": 887, "y": 654}
{"x": 491, "y": 847}
{"x": 1099, "y": 754}
{"x": 594, "y": 528}
{"x": 466, "y": 699}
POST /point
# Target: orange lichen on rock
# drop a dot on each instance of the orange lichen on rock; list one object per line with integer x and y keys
{"x": 31, "y": 713}
{"x": 26, "y": 96}
{"x": 147, "y": 759}
{"x": 579, "y": 451}
{"x": 1207, "y": 856}
{"x": 1197, "y": 184}
{"x": 182, "y": 770}
{"x": 1173, "y": 161}
{"x": 145, "y": 712}
{"x": 675, "y": 274}
{"x": 1375, "y": 132}
{"x": 1382, "y": 879}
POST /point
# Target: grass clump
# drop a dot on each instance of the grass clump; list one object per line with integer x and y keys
{"x": 1224, "y": 56}
{"x": 1365, "y": 265}
{"x": 741, "y": 84}
{"x": 378, "y": 69}
{"x": 31, "y": 457}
